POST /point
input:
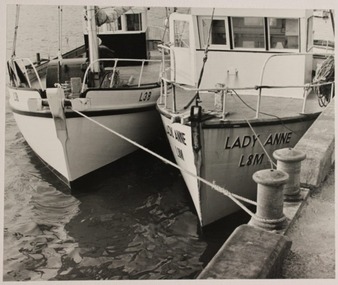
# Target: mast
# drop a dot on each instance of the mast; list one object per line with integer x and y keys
{"x": 13, "y": 75}
{"x": 16, "y": 29}
{"x": 60, "y": 43}
{"x": 92, "y": 39}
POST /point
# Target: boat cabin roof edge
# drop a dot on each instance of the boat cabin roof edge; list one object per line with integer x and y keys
{"x": 253, "y": 12}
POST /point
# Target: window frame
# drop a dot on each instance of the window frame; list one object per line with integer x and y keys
{"x": 248, "y": 48}
{"x": 138, "y": 16}
{"x": 203, "y": 38}
{"x": 270, "y": 48}
{"x": 230, "y": 35}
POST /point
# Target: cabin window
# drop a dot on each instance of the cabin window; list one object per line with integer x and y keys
{"x": 134, "y": 22}
{"x": 248, "y": 32}
{"x": 181, "y": 33}
{"x": 284, "y": 33}
{"x": 218, "y": 35}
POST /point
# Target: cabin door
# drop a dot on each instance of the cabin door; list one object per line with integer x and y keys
{"x": 183, "y": 49}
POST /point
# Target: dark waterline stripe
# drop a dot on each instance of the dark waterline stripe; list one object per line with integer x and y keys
{"x": 98, "y": 113}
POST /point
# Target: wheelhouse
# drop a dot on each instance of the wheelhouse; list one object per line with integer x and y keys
{"x": 240, "y": 41}
{"x": 130, "y": 29}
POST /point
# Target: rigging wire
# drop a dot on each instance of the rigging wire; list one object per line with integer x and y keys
{"x": 196, "y": 98}
{"x": 332, "y": 21}
{"x": 166, "y": 24}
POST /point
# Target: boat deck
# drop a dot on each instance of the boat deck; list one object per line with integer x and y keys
{"x": 242, "y": 107}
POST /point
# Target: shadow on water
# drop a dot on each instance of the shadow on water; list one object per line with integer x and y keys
{"x": 135, "y": 220}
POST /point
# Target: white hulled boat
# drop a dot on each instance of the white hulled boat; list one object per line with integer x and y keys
{"x": 52, "y": 101}
{"x": 244, "y": 85}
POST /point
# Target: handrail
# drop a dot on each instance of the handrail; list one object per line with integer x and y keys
{"x": 26, "y": 73}
{"x": 263, "y": 73}
{"x": 115, "y": 60}
{"x": 113, "y": 76}
{"x": 141, "y": 72}
{"x": 225, "y": 89}
{"x": 256, "y": 87}
{"x": 172, "y": 55}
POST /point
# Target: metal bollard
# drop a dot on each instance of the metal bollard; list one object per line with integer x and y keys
{"x": 289, "y": 160}
{"x": 269, "y": 214}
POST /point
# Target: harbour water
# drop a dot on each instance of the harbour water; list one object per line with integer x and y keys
{"x": 136, "y": 222}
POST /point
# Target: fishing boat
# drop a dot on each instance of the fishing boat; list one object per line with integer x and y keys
{"x": 66, "y": 107}
{"x": 245, "y": 83}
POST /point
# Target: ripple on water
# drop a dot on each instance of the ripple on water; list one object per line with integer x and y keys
{"x": 35, "y": 240}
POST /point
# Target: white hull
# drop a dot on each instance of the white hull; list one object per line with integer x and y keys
{"x": 87, "y": 146}
{"x": 228, "y": 157}
{"x": 237, "y": 78}
{"x": 69, "y": 109}
{"x": 181, "y": 146}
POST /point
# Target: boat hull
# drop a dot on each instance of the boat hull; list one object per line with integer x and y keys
{"x": 229, "y": 155}
{"x": 84, "y": 146}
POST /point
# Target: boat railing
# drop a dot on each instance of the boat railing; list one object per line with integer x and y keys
{"x": 164, "y": 49}
{"x": 114, "y": 68}
{"x": 171, "y": 70}
{"x": 26, "y": 62}
{"x": 306, "y": 87}
{"x": 225, "y": 89}
{"x": 327, "y": 48}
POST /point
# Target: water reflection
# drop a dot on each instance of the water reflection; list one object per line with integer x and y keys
{"x": 138, "y": 224}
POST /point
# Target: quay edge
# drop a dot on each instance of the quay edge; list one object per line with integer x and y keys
{"x": 252, "y": 253}
{"x": 318, "y": 144}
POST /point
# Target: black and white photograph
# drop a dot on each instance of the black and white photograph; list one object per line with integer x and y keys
{"x": 168, "y": 141}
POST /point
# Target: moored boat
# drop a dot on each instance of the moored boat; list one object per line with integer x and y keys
{"x": 60, "y": 104}
{"x": 244, "y": 84}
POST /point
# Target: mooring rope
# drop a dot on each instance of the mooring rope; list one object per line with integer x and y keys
{"x": 272, "y": 164}
{"x": 234, "y": 197}
{"x": 325, "y": 74}
{"x": 264, "y": 113}
{"x": 212, "y": 185}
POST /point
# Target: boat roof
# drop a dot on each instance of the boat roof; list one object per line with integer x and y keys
{"x": 236, "y": 12}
